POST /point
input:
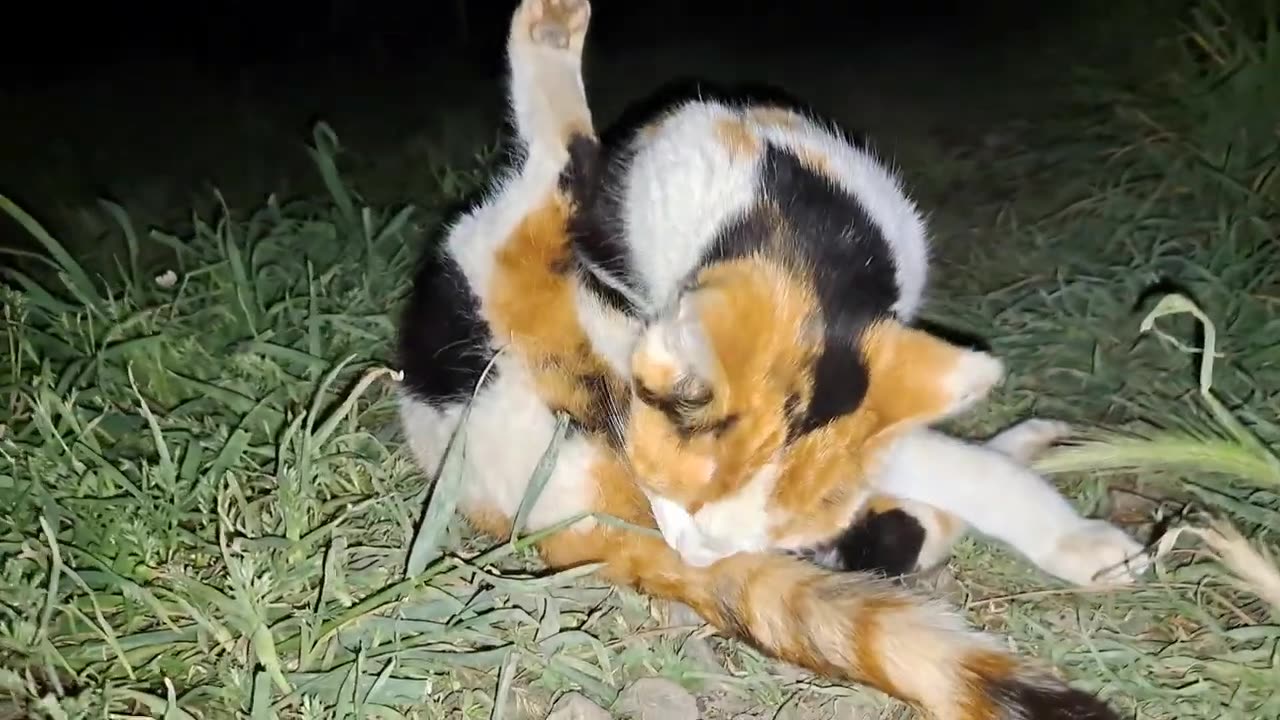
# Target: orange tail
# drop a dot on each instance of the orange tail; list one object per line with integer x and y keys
{"x": 844, "y": 626}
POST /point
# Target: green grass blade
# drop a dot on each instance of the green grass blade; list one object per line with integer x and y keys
{"x": 441, "y": 506}
{"x": 541, "y": 475}
{"x": 78, "y": 278}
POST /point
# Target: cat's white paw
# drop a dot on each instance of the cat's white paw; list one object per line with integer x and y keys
{"x": 1097, "y": 554}
{"x": 557, "y": 24}
{"x": 1026, "y": 440}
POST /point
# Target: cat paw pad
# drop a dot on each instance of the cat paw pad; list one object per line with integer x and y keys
{"x": 556, "y": 24}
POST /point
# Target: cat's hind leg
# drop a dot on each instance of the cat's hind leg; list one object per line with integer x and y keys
{"x": 549, "y": 111}
{"x": 546, "y": 91}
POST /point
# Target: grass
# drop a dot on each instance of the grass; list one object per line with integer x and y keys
{"x": 210, "y": 514}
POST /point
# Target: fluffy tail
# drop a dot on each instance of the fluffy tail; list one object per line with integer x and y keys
{"x": 844, "y": 626}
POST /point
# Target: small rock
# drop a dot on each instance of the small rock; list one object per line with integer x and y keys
{"x": 576, "y": 706}
{"x": 700, "y": 652}
{"x": 656, "y": 699}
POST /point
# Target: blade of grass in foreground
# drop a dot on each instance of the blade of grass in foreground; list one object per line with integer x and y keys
{"x": 77, "y": 279}
{"x": 443, "y": 501}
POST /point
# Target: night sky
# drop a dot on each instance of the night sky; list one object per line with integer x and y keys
{"x": 57, "y": 43}
{"x": 156, "y": 104}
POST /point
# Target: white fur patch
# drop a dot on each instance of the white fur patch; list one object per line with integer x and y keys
{"x": 507, "y": 432}
{"x": 972, "y": 379}
{"x": 739, "y": 523}
{"x": 1024, "y": 441}
{"x": 680, "y": 190}
{"x": 682, "y": 534}
{"x": 612, "y": 334}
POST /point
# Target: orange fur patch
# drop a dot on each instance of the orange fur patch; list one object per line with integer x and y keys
{"x": 824, "y": 482}
{"x": 633, "y": 558}
{"x": 827, "y": 470}
{"x": 488, "y": 520}
{"x": 531, "y": 303}
{"x": 869, "y": 629}
{"x": 910, "y": 371}
{"x": 655, "y": 373}
{"x": 816, "y": 161}
{"x": 883, "y": 503}
{"x": 759, "y": 321}
{"x": 737, "y": 138}
{"x": 755, "y": 316}
{"x": 977, "y": 703}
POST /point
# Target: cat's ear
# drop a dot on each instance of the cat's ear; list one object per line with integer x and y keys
{"x": 674, "y": 358}
{"x": 918, "y": 379}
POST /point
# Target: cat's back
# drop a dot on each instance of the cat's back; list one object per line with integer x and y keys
{"x": 691, "y": 177}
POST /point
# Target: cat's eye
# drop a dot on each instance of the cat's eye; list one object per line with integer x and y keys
{"x": 691, "y": 393}
{"x": 687, "y": 395}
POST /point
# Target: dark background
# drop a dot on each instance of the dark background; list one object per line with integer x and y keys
{"x": 155, "y": 105}
{"x": 59, "y": 42}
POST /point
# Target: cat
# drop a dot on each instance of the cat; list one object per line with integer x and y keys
{"x": 712, "y": 188}
{"x": 705, "y": 400}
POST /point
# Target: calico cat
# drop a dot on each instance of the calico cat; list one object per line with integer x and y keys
{"x": 772, "y": 386}
{"x": 743, "y": 251}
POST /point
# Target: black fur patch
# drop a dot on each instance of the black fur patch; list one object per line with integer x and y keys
{"x": 605, "y": 403}
{"x": 444, "y": 343}
{"x": 1054, "y": 702}
{"x": 795, "y": 414}
{"x": 888, "y": 543}
{"x": 580, "y": 176}
{"x": 805, "y": 219}
{"x": 596, "y": 227}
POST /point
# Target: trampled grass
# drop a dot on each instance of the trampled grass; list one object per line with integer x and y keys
{"x": 209, "y": 513}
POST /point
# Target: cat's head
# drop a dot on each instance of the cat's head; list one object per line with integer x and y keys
{"x": 742, "y": 366}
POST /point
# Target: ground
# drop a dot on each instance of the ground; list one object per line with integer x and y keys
{"x": 212, "y": 512}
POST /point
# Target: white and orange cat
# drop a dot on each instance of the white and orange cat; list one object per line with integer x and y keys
{"x": 719, "y": 302}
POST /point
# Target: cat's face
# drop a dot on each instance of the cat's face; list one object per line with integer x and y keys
{"x": 724, "y": 383}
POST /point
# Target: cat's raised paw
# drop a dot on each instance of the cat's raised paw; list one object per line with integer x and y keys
{"x": 1097, "y": 554}
{"x": 557, "y": 24}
